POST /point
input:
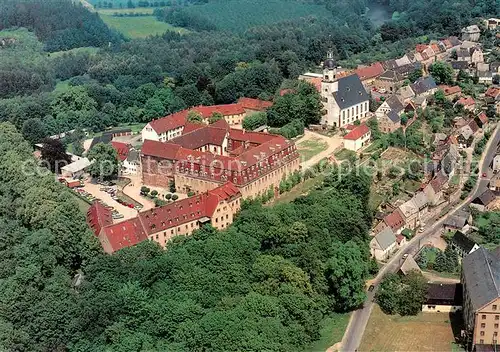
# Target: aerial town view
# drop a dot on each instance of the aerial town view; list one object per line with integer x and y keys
{"x": 250, "y": 175}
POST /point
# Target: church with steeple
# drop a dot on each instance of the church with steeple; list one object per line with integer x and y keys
{"x": 344, "y": 96}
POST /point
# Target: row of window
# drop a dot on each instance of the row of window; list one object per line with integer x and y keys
{"x": 350, "y": 111}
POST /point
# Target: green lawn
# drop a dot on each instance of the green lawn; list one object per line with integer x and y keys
{"x": 308, "y": 149}
{"x": 239, "y": 15}
{"x": 332, "y": 330}
{"x": 82, "y": 205}
{"x": 300, "y": 189}
{"x": 344, "y": 154}
{"x": 139, "y": 27}
{"x": 140, "y": 10}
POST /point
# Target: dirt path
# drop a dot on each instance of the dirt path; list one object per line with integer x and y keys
{"x": 436, "y": 278}
{"x": 334, "y": 143}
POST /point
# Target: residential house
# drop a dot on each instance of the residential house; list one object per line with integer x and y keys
{"x": 76, "y": 169}
{"x": 344, "y": 98}
{"x": 409, "y": 265}
{"x": 458, "y": 221}
{"x": 424, "y": 86}
{"x": 394, "y": 220}
{"x": 460, "y": 66}
{"x": 451, "y": 159}
{"x": 481, "y": 297}
{"x": 390, "y": 81}
{"x": 451, "y": 92}
{"x": 492, "y": 96}
{"x": 462, "y": 244}
{"x": 485, "y": 77}
{"x": 216, "y": 207}
{"x": 358, "y": 138}
{"x": 434, "y": 189}
{"x": 466, "y": 134}
{"x": 468, "y": 103}
{"x": 483, "y": 201}
{"x": 495, "y": 183}
{"x": 405, "y": 94}
{"x": 481, "y": 120}
{"x": 471, "y": 33}
{"x": 401, "y": 240}
{"x": 132, "y": 164}
{"x": 495, "y": 67}
{"x": 492, "y": 23}
{"x": 443, "y": 298}
{"x": 122, "y": 150}
{"x": 414, "y": 209}
{"x": 496, "y": 163}
{"x": 368, "y": 74}
{"x": 420, "y": 101}
{"x": 383, "y": 244}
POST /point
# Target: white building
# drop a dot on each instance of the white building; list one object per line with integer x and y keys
{"x": 358, "y": 138}
{"x": 76, "y": 169}
{"x": 344, "y": 98}
{"x": 132, "y": 164}
{"x": 382, "y": 245}
{"x": 166, "y": 128}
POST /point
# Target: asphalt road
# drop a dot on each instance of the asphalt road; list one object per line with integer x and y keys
{"x": 359, "y": 318}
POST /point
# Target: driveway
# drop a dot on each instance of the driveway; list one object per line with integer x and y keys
{"x": 333, "y": 143}
{"x": 359, "y": 318}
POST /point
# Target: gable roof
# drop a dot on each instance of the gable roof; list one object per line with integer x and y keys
{"x": 485, "y": 198}
{"x": 191, "y": 126}
{"x": 463, "y": 242}
{"x": 391, "y": 75}
{"x": 481, "y": 273}
{"x": 125, "y": 234}
{"x": 170, "y": 122}
{"x": 460, "y": 65}
{"x": 466, "y": 101}
{"x": 122, "y": 149}
{"x": 471, "y": 29}
{"x": 493, "y": 92}
{"x": 482, "y": 118}
{"x": 395, "y": 104}
{"x": 200, "y": 137}
{"x": 409, "y": 264}
{"x": 393, "y": 116}
{"x": 254, "y": 104}
{"x": 98, "y": 216}
{"x": 369, "y": 72}
{"x": 160, "y": 150}
{"x": 79, "y": 165}
{"x": 394, "y": 220}
{"x": 406, "y": 92}
{"x": 438, "y": 182}
{"x": 350, "y": 92}
{"x": 105, "y": 138}
{"x": 457, "y": 220}
{"x": 423, "y": 85}
{"x": 449, "y": 293}
{"x": 358, "y": 132}
{"x": 450, "y": 90}
{"x": 385, "y": 238}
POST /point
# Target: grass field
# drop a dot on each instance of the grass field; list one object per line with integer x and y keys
{"x": 309, "y": 148}
{"x": 139, "y": 27}
{"x": 141, "y": 10}
{"x": 301, "y": 189}
{"x": 424, "y": 332}
{"x": 82, "y": 205}
{"x": 332, "y": 331}
{"x": 239, "y": 15}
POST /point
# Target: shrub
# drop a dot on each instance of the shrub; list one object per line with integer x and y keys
{"x": 168, "y": 196}
{"x": 175, "y": 197}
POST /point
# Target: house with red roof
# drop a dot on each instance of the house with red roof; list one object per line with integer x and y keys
{"x": 251, "y": 105}
{"x": 122, "y": 149}
{"x": 172, "y": 126}
{"x": 481, "y": 119}
{"x": 357, "y": 138}
{"x": 468, "y": 103}
{"x": 368, "y": 74}
{"x": 492, "y": 97}
{"x": 451, "y": 92}
{"x": 180, "y": 218}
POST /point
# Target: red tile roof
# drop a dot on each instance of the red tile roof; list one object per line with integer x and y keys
{"x": 349, "y": 127}
{"x": 98, "y": 216}
{"x": 221, "y": 124}
{"x": 255, "y": 104}
{"x": 447, "y": 44}
{"x": 466, "y": 101}
{"x": 201, "y": 137}
{"x": 450, "y": 90}
{"x": 420, "y": 48}
{"x": 160, "y": 150}
{"x": 483, "y": 118}
{"x": 371, "y": 71}
{"x": 394, "y": 220}
{"x": 251, "y": 137}
{"x": 473, "y": 126}
{"x": 438, "y": 182}
{"x": 125, "y": 234}
{"x": 357, "y": 133}
{"x": 122, "y": 149}
{"x": 169, "y": 122}
{"x": 225, "y": 110}
{"x": 190, "y": 127}
{"x": 493, "y": 92}
{"x": 435, "y": 48}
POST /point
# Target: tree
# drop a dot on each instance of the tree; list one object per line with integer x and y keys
{"x": 255, "y": 120}
{"x": 104, "y": 161}
{"x": 442, "y": 72}
{"x": 54, "y": 154}
{"x": 414, "y": 75}
{"x": 175, "y": 197}
{"x": 168, "y": 196}
{"x": 154, "y": 193}
{"x": 144, "y": 190}
{"x": 439, "y": 97}
{"x": 496, "y": 79}
{"x": 171, "y": 186}
{"x": 34, "y": 130}
{"x": 216, "y": 116}
{"x": 194, "y": 117}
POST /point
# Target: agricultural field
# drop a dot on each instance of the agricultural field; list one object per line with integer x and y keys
{"x": 126, "y": 11}
{"x": 311, "y": 147}
{"x": 239, "y": 15}
{"x": 139, "y": 27}
{"x": 424, "y": 332}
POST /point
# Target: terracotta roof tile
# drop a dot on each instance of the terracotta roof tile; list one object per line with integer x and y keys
{"x": 122, "y": 149}
{"x": 450, "y": 90}
{"x": 466, "y": 101}
{"x": 125, "y": 234}
{"x": 169, "y": 122}
{"x": 255, "y": 104}
{"x": 357, "y": 133}
{"x": 200, "y": 137}
{"x": 493, "y": 92}
{"x": 371, "y": 71}
{"x": 160, "y": 150}
{"x": 98, "y": 216}
{"x": 394, "y": 220}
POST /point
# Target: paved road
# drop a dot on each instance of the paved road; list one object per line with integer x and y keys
{"x": 359, "y": 318}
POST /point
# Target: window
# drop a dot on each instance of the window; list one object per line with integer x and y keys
{"x": 481, "y": 341}
{"x": 495, "y": 333}
{"x": 483, "y": 316}
{"x": 481, "y": 333}
{"x": 496, "y": 326}
{"x": 494, "y": 307}
{"x": 497, "y": 317}
{"x": 483, "y": 325}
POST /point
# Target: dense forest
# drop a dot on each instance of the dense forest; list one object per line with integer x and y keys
{"x": 263, "y": 284}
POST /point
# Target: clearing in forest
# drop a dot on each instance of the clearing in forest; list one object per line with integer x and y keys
{"x": 139, "y": 27}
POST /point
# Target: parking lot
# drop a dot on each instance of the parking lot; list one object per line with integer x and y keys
{"x": 97, "y": 191}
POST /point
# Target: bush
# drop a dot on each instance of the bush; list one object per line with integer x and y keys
{"x": 154, "y": 193}
{"x": 144, "y": 190}
{"x": 175, "y": 197}
{"x": 168, "y": 196}
{"x": 190, "y": 194}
